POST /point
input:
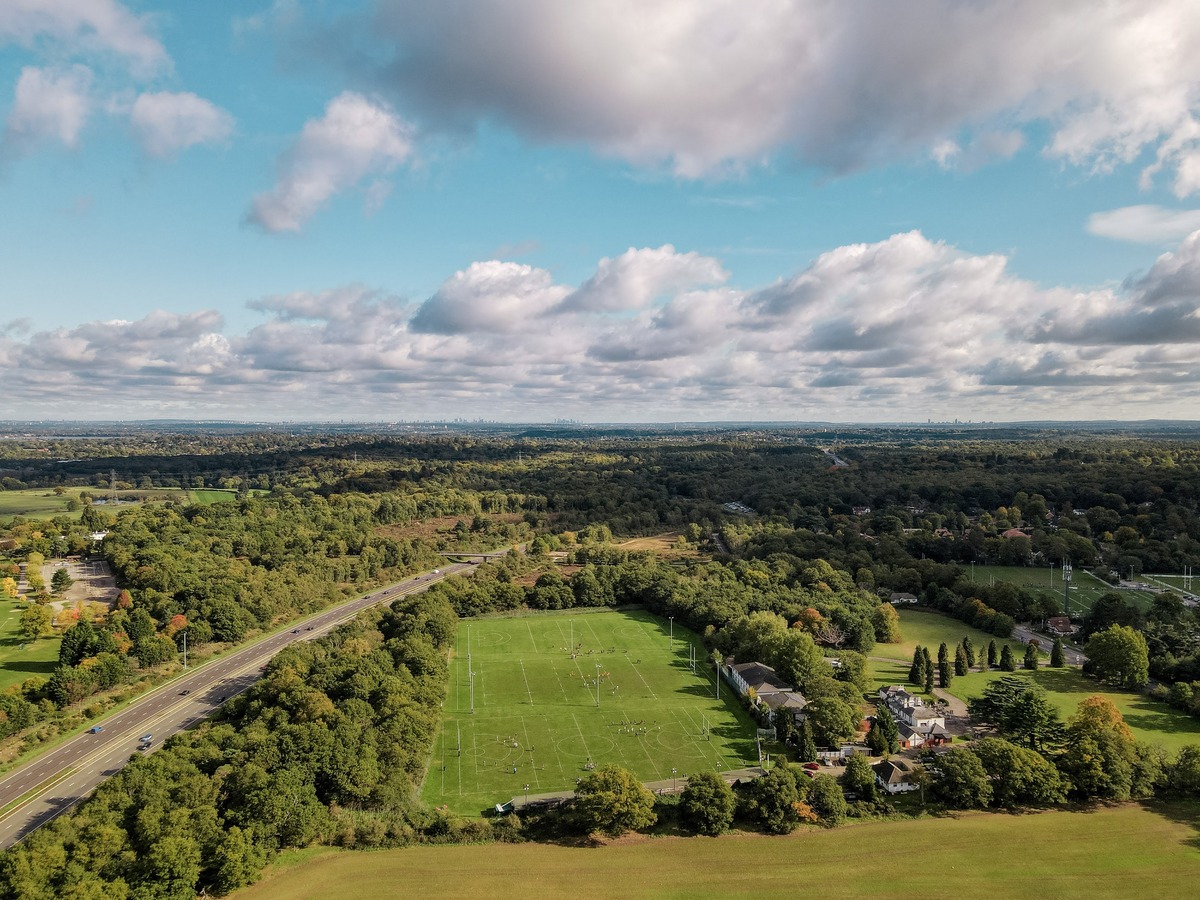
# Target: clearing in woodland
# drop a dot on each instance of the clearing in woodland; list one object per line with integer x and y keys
{"x": 555, "y": 694}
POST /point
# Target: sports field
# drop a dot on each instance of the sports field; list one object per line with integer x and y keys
{"x": 1086, "y": 589}
{"x": 556, "y": 692}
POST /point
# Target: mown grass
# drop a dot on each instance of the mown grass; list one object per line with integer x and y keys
{"x": 930, "y": 629}
{"x": 1119, "y": 851}
{"x": 20, "y": 660}
{"x": 535, "y": 702}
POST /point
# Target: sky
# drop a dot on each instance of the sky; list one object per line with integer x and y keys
{"x": 601, "y": 210}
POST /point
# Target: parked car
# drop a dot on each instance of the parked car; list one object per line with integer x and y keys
{"x": 812, "y": 766}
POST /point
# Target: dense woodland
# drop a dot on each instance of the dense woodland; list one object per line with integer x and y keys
{"x": 339, "y": 731}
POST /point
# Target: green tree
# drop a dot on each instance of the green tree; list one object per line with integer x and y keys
{"x": 969, "y": 649}
{"x": 826, "y": 799}
{"x": 36, "y": 621}
{"x": 886, "y": 622}
{"x": 833, "y": 720}
{"x": 707, "y": 803}
{"x": 1031, "y": 657}
{"x": 1119, "y": 655}
{"x": 778, "y": 797}
{"x": 1018, "y": 777}
{"x": 889, "y": 728}
{"x": 945, "y": 674}
{"x": 807, "y": 746}
{"x": 859, "y": 778}
{"x": 61, "y": 580}
{"x": 1007, "y": 663}
{"x": 960, "y": 661}
{"x": 611, "y": 800}
{"x": 1018, "y": 708}
{"x": 960, "y": 781}
{"x": 1057, "y": 657}
{"x": 1102, "y": 758}
{"x": 916, "y": 671}
{"x": 991, "y": 654}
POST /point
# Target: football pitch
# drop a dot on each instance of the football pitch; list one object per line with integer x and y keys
{"x": 555, "y": 694}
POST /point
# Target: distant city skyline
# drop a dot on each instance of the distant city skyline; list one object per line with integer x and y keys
{"x": 628, "y": 211}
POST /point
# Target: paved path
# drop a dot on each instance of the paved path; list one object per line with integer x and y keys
{"x": 53, "y": 782}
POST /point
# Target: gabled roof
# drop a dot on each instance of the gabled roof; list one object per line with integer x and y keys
{"x": 893, "y": 771}
{"x": 761, "y": 677}
{"x": 784, "y": 700}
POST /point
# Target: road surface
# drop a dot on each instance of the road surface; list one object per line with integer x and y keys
{"x": 55, "y": 781}
{"x": 1072, "y": 656}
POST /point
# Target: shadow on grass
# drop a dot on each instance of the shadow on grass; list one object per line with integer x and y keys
{"x": 44, "y": 667}
{"x": 1182, "y": 812}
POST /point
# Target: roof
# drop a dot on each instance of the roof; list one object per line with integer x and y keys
{"x": 893, "y": 771}
{"x": 1014, "y": 533}
{"x": 761, "y": 677}
{"x": 784, "y": 700}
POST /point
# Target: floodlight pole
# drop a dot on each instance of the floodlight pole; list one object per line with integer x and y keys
{"x": 672, "y": 779}
{"x": 672, "y": 621}
{"x": 1066, "y": 580}
{"x": 526, "y": 795}
{"x": 597, "y": 685}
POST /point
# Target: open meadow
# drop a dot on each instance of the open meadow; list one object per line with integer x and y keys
{"x": 1118, "y": 851}
{"x": 930, "y": 629}
{"x": 556, "y": 692}
{"x": 19, "y": 659}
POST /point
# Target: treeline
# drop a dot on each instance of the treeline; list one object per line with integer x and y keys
{"x": 329, "y": 747}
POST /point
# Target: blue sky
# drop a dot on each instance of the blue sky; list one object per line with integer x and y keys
{"x": 606, "y": 211}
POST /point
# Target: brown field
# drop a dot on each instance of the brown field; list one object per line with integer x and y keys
{"x": 1120, "y": 851}
{"x": 659, "y": 544}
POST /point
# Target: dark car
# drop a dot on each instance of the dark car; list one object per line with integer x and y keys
{"x": 185, "y": 692}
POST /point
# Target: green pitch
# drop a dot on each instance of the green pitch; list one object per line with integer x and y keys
{"x": 555, "y": 693}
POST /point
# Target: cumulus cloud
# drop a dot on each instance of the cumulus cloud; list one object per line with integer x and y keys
{"x": 167, "y": 123}
{"x": 357, "y": 138}
{"x": 900, "y": 329}
{"x": 639, "y": 276}
{"x": 48, "y": 105}
{"x": 1144, "y": 224}
{"x": 842, "y": 84}
{"x": 489, "y": 296}
{"x": 84, "y": 26}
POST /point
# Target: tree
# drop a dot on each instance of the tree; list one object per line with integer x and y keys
{"x": 1119, "y": 655}
{"x": 707, "y": 803}
{"x": 833, "y": 720}
{"x": 960, "y": 661}
{"x": 991, "y": 654}
{"x": 1057, "y": 657}
{"x": 969, "y": 650}
{"x": 826, "y": 799}
{"x": 611, "y": 800}
{"x": 1018, "y": 777}
{"x": 876, "y": 741}
{"x": 1102, "y": 758}
{"x": 1031, "y": 658}
{"x": 35, "y": 621}
{"x": 886, "y": 622}
{"x": 807, "y": 751}
{"x": 889, "y": 728}
{"x": 778, "y": 799}
{"x": 8, "y": 587}
{"x": 1007, "y": 663}
{"x": 928, "y": 679}
{"x": 945, "y": 674}
{"x": 61, "y": 580}
{"x": 859, "y": 778}
{"x": 960, "y": 782}
{"x": 1019, "y": 709}
{"x": 916, "y": 672}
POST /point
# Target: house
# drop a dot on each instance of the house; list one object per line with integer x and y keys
{"x": 894, "y": 775}
{"x": 861, "y": 510}
{"x": 910, "y": 738}
{"x": 896, "y": 697}
{"x": 902, "y": 598}
{"x": 1014, "y": 533}
{"x": 1060, "y": 626}
{"x": 784, "y": 701}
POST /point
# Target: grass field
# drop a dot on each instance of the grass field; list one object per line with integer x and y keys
{"x": 1085, "y": 588}
{"x": 43, "y": 503}
{"x": 1121, "y": 851}
{"x": 206, "y": 496}
{"x": 536, "y": 707}
{"x": 930, "y": 629}
{"x": 16, "y": 664}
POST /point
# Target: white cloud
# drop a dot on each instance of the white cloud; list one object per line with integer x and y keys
{"x": 355, "y": 139}
{"x": 903, "y": 328}
{"x": 48, "y": 104}
{"x": 167, "y": 123}
{"x": 840, "y": 83}
{"x": 639, "y": 276}
{"x": 1144, "y": 224}
{"x": 83, "y": 26}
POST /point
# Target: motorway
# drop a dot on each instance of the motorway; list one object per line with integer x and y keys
{"x": 55, "y": 781}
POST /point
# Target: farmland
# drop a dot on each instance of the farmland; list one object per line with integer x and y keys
{"x": 553, "y": 691}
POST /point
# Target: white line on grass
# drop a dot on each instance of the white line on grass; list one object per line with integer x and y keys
{"x": 526, "y": 677}
{"x": 532, "y": 639}
{"x": 633, "y": 666}
{"x": 525, "y": 729}
{"x": 646, "y": 750}
{"x": 561, "y": 686}
{"x": 582, "y": 739}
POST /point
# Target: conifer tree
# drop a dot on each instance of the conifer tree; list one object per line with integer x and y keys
{"x": 1031, "y": 658}
{"x": 808, "y": 747}
{"x": 991, "y": 659}
{"x": 1007, "y": 663}
{"x": 969, "y": 649}
{"x": 916, "y": 672}
{"x": 1057, "y": 657}
{"x": 960, "y": 661}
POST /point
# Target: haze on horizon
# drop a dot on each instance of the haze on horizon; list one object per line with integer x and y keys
{"x": 650, "y": 211}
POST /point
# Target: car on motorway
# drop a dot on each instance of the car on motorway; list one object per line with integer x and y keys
{"x": 185, "y": 692}
{"x": 295, "y": 631}
{"x": 95, "y": 729}
{"x": 146, "y": 738}
{"x": 309, "y": 628}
